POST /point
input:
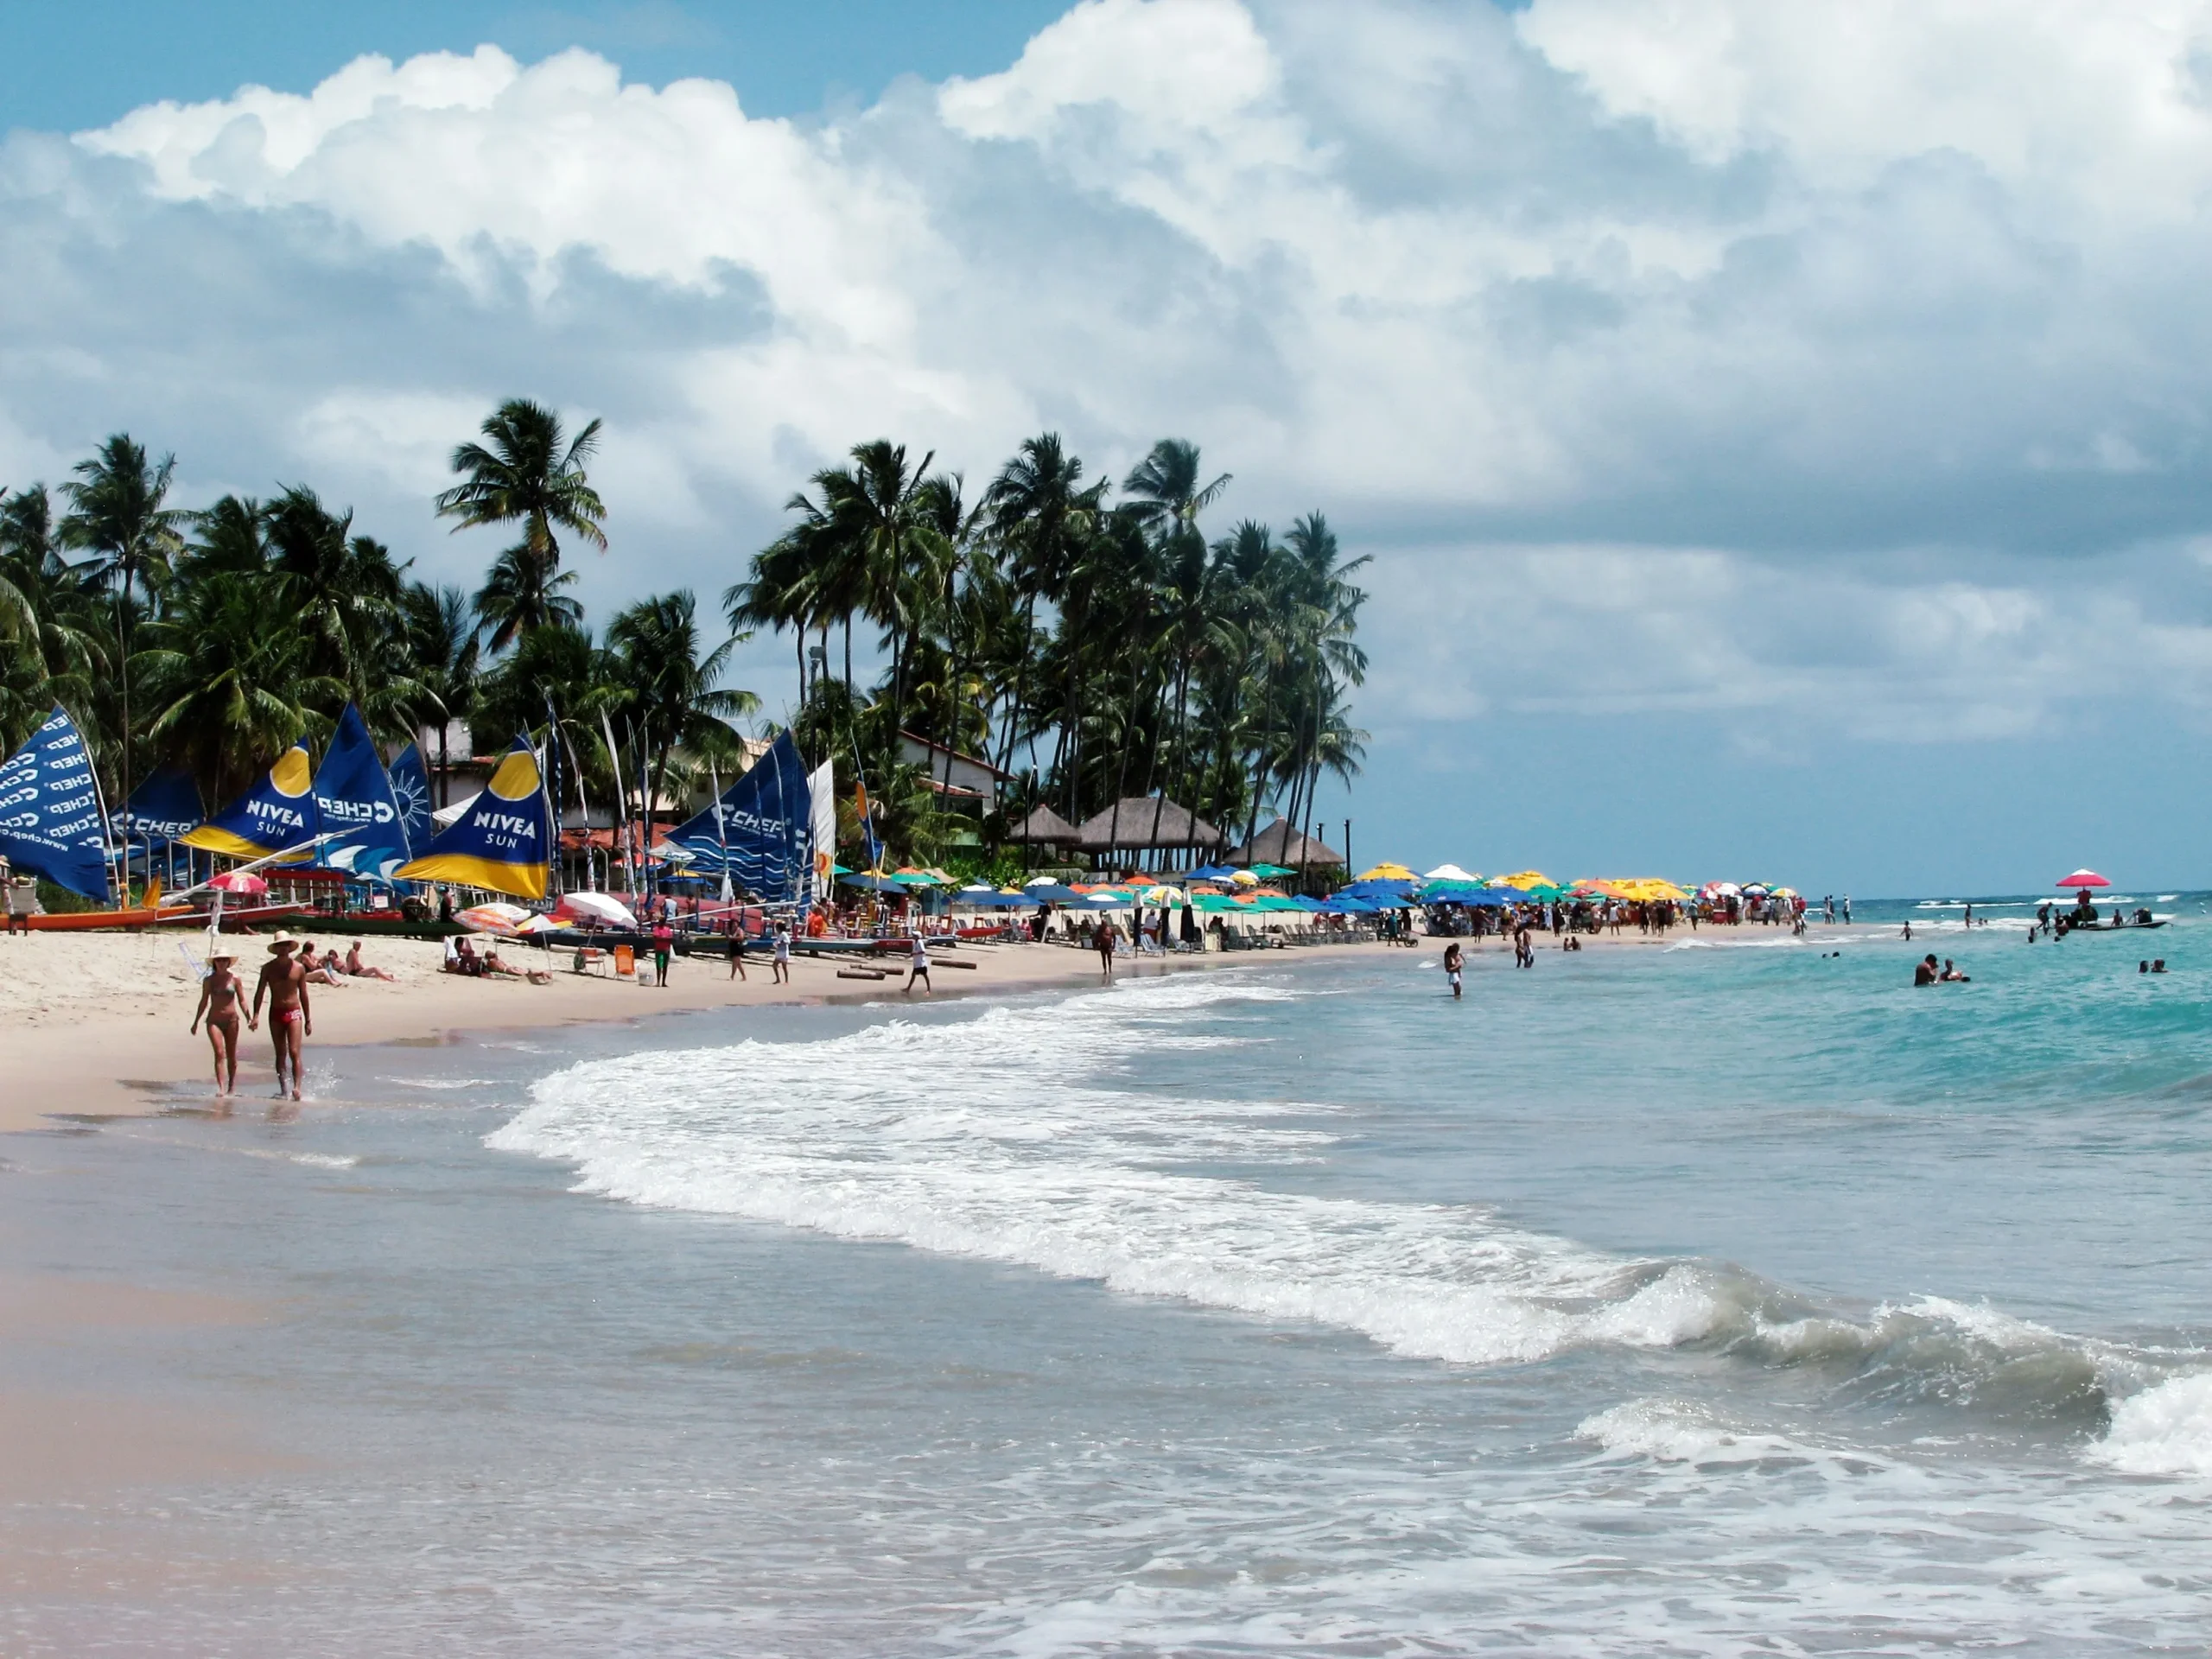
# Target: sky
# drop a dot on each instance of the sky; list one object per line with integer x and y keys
{"x": 1780, "y": 434}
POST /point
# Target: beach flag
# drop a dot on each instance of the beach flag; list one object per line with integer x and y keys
{"x": 822, "y": 827}
{"x": 360, "y": 812}
{"x": 275, "y": 815}
{"x": 50, "y": 817}
{"x": 411, "y": 787}
{"x": 502, "y": 841}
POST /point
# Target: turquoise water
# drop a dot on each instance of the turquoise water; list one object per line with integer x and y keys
{"x": 1729, "y": 1298}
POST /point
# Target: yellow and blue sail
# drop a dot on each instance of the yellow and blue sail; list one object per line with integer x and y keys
{"x": 277, "y": 815}
{"x": 503, "y": 842}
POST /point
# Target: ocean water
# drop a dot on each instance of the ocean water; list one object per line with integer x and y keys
{"x": 1729, "y": 1298}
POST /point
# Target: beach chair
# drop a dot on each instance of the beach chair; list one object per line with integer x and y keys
{"x": 590, "y": 959}
{"x": 625, "y": 962}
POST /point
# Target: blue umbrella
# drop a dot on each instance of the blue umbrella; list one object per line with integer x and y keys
{"x": 1054, "y": 895}
{"x": 1211, "y": 873}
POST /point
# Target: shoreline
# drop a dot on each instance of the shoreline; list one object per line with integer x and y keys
{"x": 99, "y": 1022}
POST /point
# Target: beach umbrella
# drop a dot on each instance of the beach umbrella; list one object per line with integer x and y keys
{"x": 238, "y": 881}
{"x": 1105, "y": 899}
{"x": 1272, "y": 870}
{"x": 1164, "y": 895}
{"x": 1387, "y": 872}
{"x": 1212, "y": 873}
{"x": 1545, "y": 892}
{"x": 1042, "y": 881}
{"x": 872, "y": 883}
{"x": 1049, "y": 893}
{"x": 1244, "y": 879}
{"x": 1452, "y": 873}
{"x": 543, "y": 925}
{"x": 1524, "y": 879}
{"x": 603, "y": 908}
{"x": 495, "y": 918}
{"x": 1722, "y": 890}
{"x": 2083, "y": 879}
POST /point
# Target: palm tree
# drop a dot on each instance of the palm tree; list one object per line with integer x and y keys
{"x": 1163, "y": 498}
{"x": 119, "y": 514}
{"x": 673, "y": 694}
{"x": 526, "y": 473}
{"x": 1039, "y": 510}
{"x": 231, "y": 682}
{"x": 343, "y": 590}
{"x": 521, "y": 593}
{"x": 50, "y": 646}
{"x": 445, "y": 648}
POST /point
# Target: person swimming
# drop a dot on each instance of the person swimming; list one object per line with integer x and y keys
{"x": 1925, "y": 971}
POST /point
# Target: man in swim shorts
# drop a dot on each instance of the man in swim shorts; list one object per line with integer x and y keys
{"x": 1102, "y": 938}
{"x": 285, "y": 984}
{"x": 917, "y": 966}
{"x": 1451, "y": 968}
{"x": 219, "y": 1004}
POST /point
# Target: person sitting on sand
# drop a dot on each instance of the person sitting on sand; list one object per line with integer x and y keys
{"x": 321, "y": 970}
{"x": 218, "y": 1002}
{"x": 1923, "y": 971}
{"x": 285, "y": 984}
{"x": 461, "y": 958}
{"x": 360, "y": 970}
{"x": 1951, "y": 976}
{"x": 493, "y": 965}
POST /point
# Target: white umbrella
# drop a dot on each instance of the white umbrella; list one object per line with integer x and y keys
{"x": 1042, "y": 881}
{"x": 600, "y": 907}
{"x": 1450, "y": 872}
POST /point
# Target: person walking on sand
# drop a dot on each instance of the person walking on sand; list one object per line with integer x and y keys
{"x": 917, "y": 966}
{"x": 663, "y": 941}
{"x": 783, "y": 959}
{"x": 1102, "y": 939}
{"x": 1451, "y": 968}
{"x": 737, "y": 950}
{"x": 285, "y": 984}
{"x": 219, "y": 1004}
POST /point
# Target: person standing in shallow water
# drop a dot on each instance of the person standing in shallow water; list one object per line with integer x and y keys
{"x": 1451, "y": 968}
{"x": 285, "y": 984}
{"x": 219, "y": 1003}
{"x": 1102, "y": 939}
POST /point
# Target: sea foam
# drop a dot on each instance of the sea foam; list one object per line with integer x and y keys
{"x": 974, "y": 1138}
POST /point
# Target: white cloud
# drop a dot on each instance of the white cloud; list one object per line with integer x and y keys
{"x": 1664, "y": 323}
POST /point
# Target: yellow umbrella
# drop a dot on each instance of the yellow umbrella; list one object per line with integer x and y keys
{"x": 1165, "y": 895}
{"x": 1246, "y": 879}
{"x": 1387, "y": 872}
{"x": 1525, "y": 879}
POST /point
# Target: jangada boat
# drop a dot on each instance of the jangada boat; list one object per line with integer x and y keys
{"x": 86, "y": 921}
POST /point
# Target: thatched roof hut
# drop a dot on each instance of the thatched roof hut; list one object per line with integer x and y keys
{"x": 1280, "y": 844}
{"x": 1044, "y": 827}
{"x": 1143, "y": 823}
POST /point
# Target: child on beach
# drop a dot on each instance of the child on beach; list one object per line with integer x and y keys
{"x": 783, "y": 956}
{"x": 218, "y": 1002}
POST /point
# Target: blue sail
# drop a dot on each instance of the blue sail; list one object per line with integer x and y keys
{"x": 277, "y": 815}
{"x": 50, "y": 817}
{"x": 360, "y": 810}
{"x": 410, "y": 786}
{"x": 163, "y": 809}
{"x": 760, "y": 831}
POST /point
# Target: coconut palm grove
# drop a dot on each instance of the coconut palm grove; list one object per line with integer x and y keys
{"x": 1094, "y": 642}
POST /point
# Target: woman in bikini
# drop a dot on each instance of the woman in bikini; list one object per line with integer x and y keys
{"x": 218, "y": 1006}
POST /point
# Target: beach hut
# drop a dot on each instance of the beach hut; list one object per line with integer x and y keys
{"x": 1044, "y": 828}
{"x": 1147, "y": 824}
{"x": 1279, "y": 843}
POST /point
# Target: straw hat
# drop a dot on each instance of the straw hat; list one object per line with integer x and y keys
{"x": 222, "y": 953}
{"x": 283, "y": 942}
